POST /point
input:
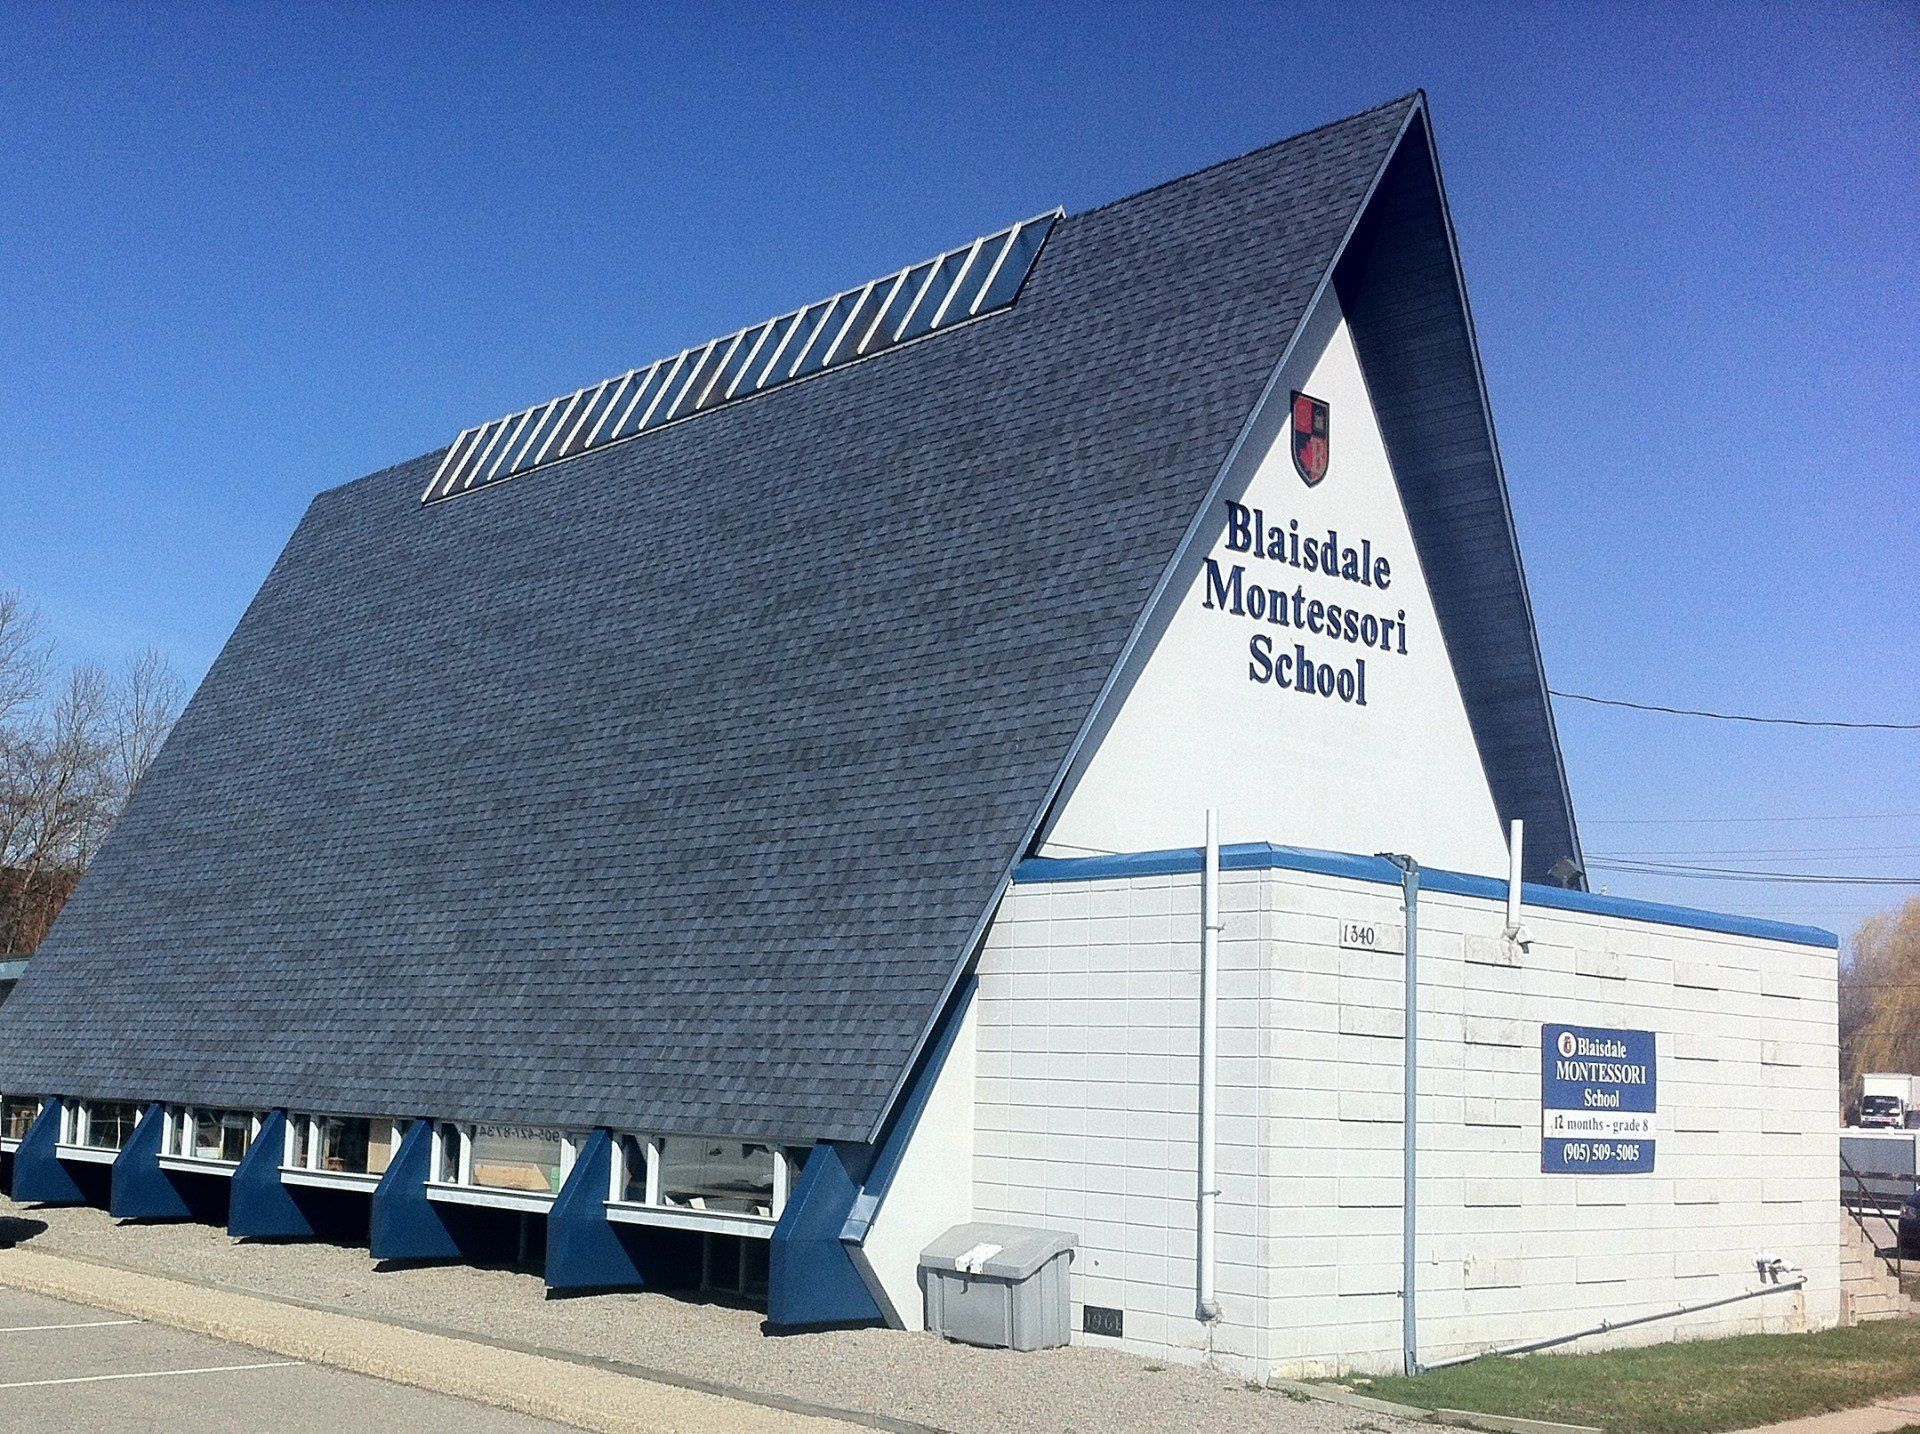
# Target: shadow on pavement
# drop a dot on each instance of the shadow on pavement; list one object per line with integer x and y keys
{"x": 15, "y": 1231}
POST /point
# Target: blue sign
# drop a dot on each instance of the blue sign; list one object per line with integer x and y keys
{"x": 1597, "y": 1089}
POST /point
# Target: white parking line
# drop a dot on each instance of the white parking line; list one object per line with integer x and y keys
{"x": 82, "y": 1324}
{"x": 151, "y": 1374}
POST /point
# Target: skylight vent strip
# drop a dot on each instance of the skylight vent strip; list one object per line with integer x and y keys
{"x": 1004, "y": 284}
{"x": 880, "y": 311}
{"x": 745, "y": 366}
{"x": 813, "y": 338}
{"x": 590, "y": 412}
{"x": 788, "y": 327}
{"x": 666, "y": 386}
{"x": 448, "y": 465}
{"x": 677, "y": 386}
{"x": 986, "y": 284}
{"x": 519, "y": 445}
{"x": 959, "y": 281}
{"x": 578, "y": 421}
{"x": 611, "y": 407}
{"x": 515, "y": 427}
{"x": 552, "y": 424}
{"x": 515, "y": 453}
{"x": 642, "y": 400}
{"x": 499, "y": 427}
{"x": 928, "y": 307}
{"x": 711, "y": 362}
{"x": 846, "y": 342}
{"x": 960, "y": 284}
{"x": 482, "y": 448}
{"x": 919, "y": 297}
{"x": 559, "y": 427}
{"x": 627, "y": 421}
{"x": 833, "y": 323}
{"x": 697, "y": 373}
{"x": 457, "y": 479}
{"x": 706, "y": 393}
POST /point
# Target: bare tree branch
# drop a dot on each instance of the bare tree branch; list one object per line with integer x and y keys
{"x": 68, "y": 765}
{"x": 23, "y": 657}
{"x": 146, "y": 703}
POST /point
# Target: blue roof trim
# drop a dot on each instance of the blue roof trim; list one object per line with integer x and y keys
{"x": 893, "y": 1149}
{"x": 1268, "y": 856}
{"x": 12, "y": 970}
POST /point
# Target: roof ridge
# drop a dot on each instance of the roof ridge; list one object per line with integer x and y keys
{"x": 1416, "y": 96}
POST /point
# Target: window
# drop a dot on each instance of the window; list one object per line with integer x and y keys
{"x": 17, "y": 1114}
{"x": 712, "y": 1176}
{"x": 974, "y": 279}
{"x": 511, "y": 1159}
{"x": 222, "y": 1136}
{"x": 98, "y": 1124}
{"x": 346, "y": 1145}
{"x": 716, "y": 1175}
{"x": 450, "y": 1155}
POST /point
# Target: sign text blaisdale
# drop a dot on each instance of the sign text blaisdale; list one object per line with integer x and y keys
{"x": 1240, "y": 582}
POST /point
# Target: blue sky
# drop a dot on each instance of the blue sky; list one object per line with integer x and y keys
{"x": 249, "y": 252}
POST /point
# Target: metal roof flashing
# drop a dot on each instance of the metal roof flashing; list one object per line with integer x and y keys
{"x": 1269, "y": 856}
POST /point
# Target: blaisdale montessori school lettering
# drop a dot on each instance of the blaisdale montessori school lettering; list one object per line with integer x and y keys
{"x": 1229, "y": 587}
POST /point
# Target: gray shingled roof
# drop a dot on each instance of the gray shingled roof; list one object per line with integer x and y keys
{"x": 662, "y": 788}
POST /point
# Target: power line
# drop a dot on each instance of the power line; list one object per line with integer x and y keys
{"x": 1727, "y": 873}
{"x": 1733, "y": 716}
{"x": 1809, "y": 853}
{"x": 1716, "y": 821}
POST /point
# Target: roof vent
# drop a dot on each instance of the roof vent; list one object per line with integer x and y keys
{"x": 961, "y": 284}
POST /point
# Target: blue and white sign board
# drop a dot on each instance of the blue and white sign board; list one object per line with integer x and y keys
{"x": 1597, "y": 1089}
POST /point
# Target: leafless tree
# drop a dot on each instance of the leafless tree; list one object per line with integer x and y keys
{"x": 23, "y": 657}
{"x": 68, "y": 764}
{"x": 1880, "y": 998}
{"x": 146, "y": 702}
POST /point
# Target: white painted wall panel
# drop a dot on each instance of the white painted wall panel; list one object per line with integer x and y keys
{"x": 1086, "y": 1120}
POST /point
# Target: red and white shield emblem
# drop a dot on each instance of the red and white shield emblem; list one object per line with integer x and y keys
{"x": 1309, "y": 438}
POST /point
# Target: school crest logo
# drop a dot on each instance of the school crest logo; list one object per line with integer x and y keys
{"x": 1309, "y": 438}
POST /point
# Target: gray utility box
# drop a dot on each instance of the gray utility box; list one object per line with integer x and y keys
{"x": 1003, "y": 1286}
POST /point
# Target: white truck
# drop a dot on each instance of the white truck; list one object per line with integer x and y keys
{"x": 1889, "y": 1100}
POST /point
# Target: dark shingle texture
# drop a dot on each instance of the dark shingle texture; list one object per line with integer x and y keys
{"x": 1404, "y": 302}
{"x": 662, "y": 788}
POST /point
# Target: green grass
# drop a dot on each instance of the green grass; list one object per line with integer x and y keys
{"x": 1693, "y": 1387}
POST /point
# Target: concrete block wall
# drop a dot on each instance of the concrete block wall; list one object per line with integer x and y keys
{"x": 1745, "y": 1149}
{"x": 1086, "y": 1110}
{"x": 1086, "y": 1119}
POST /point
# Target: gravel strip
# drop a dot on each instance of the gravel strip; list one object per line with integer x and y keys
{"x": 913, "y": 1377}
{"x": 591, "y": 1398}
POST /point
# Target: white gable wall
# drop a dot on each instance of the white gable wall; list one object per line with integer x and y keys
{"x": 1189, "y": 726}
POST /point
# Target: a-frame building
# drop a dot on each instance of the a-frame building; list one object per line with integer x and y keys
{"x": 635, "y": 812}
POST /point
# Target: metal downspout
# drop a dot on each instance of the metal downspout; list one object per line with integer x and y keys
{"x": 1409, "y": 1112}
{"x": 1208, "y": 1304}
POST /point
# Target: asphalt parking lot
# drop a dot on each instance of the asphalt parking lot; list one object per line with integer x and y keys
{"x": 67, "y": 1367}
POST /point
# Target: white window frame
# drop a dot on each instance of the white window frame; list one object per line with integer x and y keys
{"x": 7, "y": 1144}
{"x": 462, "y": 1190}
{"x": 311, "y": 1173}
{"x": 180, "y": 1132}
{"x": 76, "y": 1124}
{"x": 655, "y": 1211}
